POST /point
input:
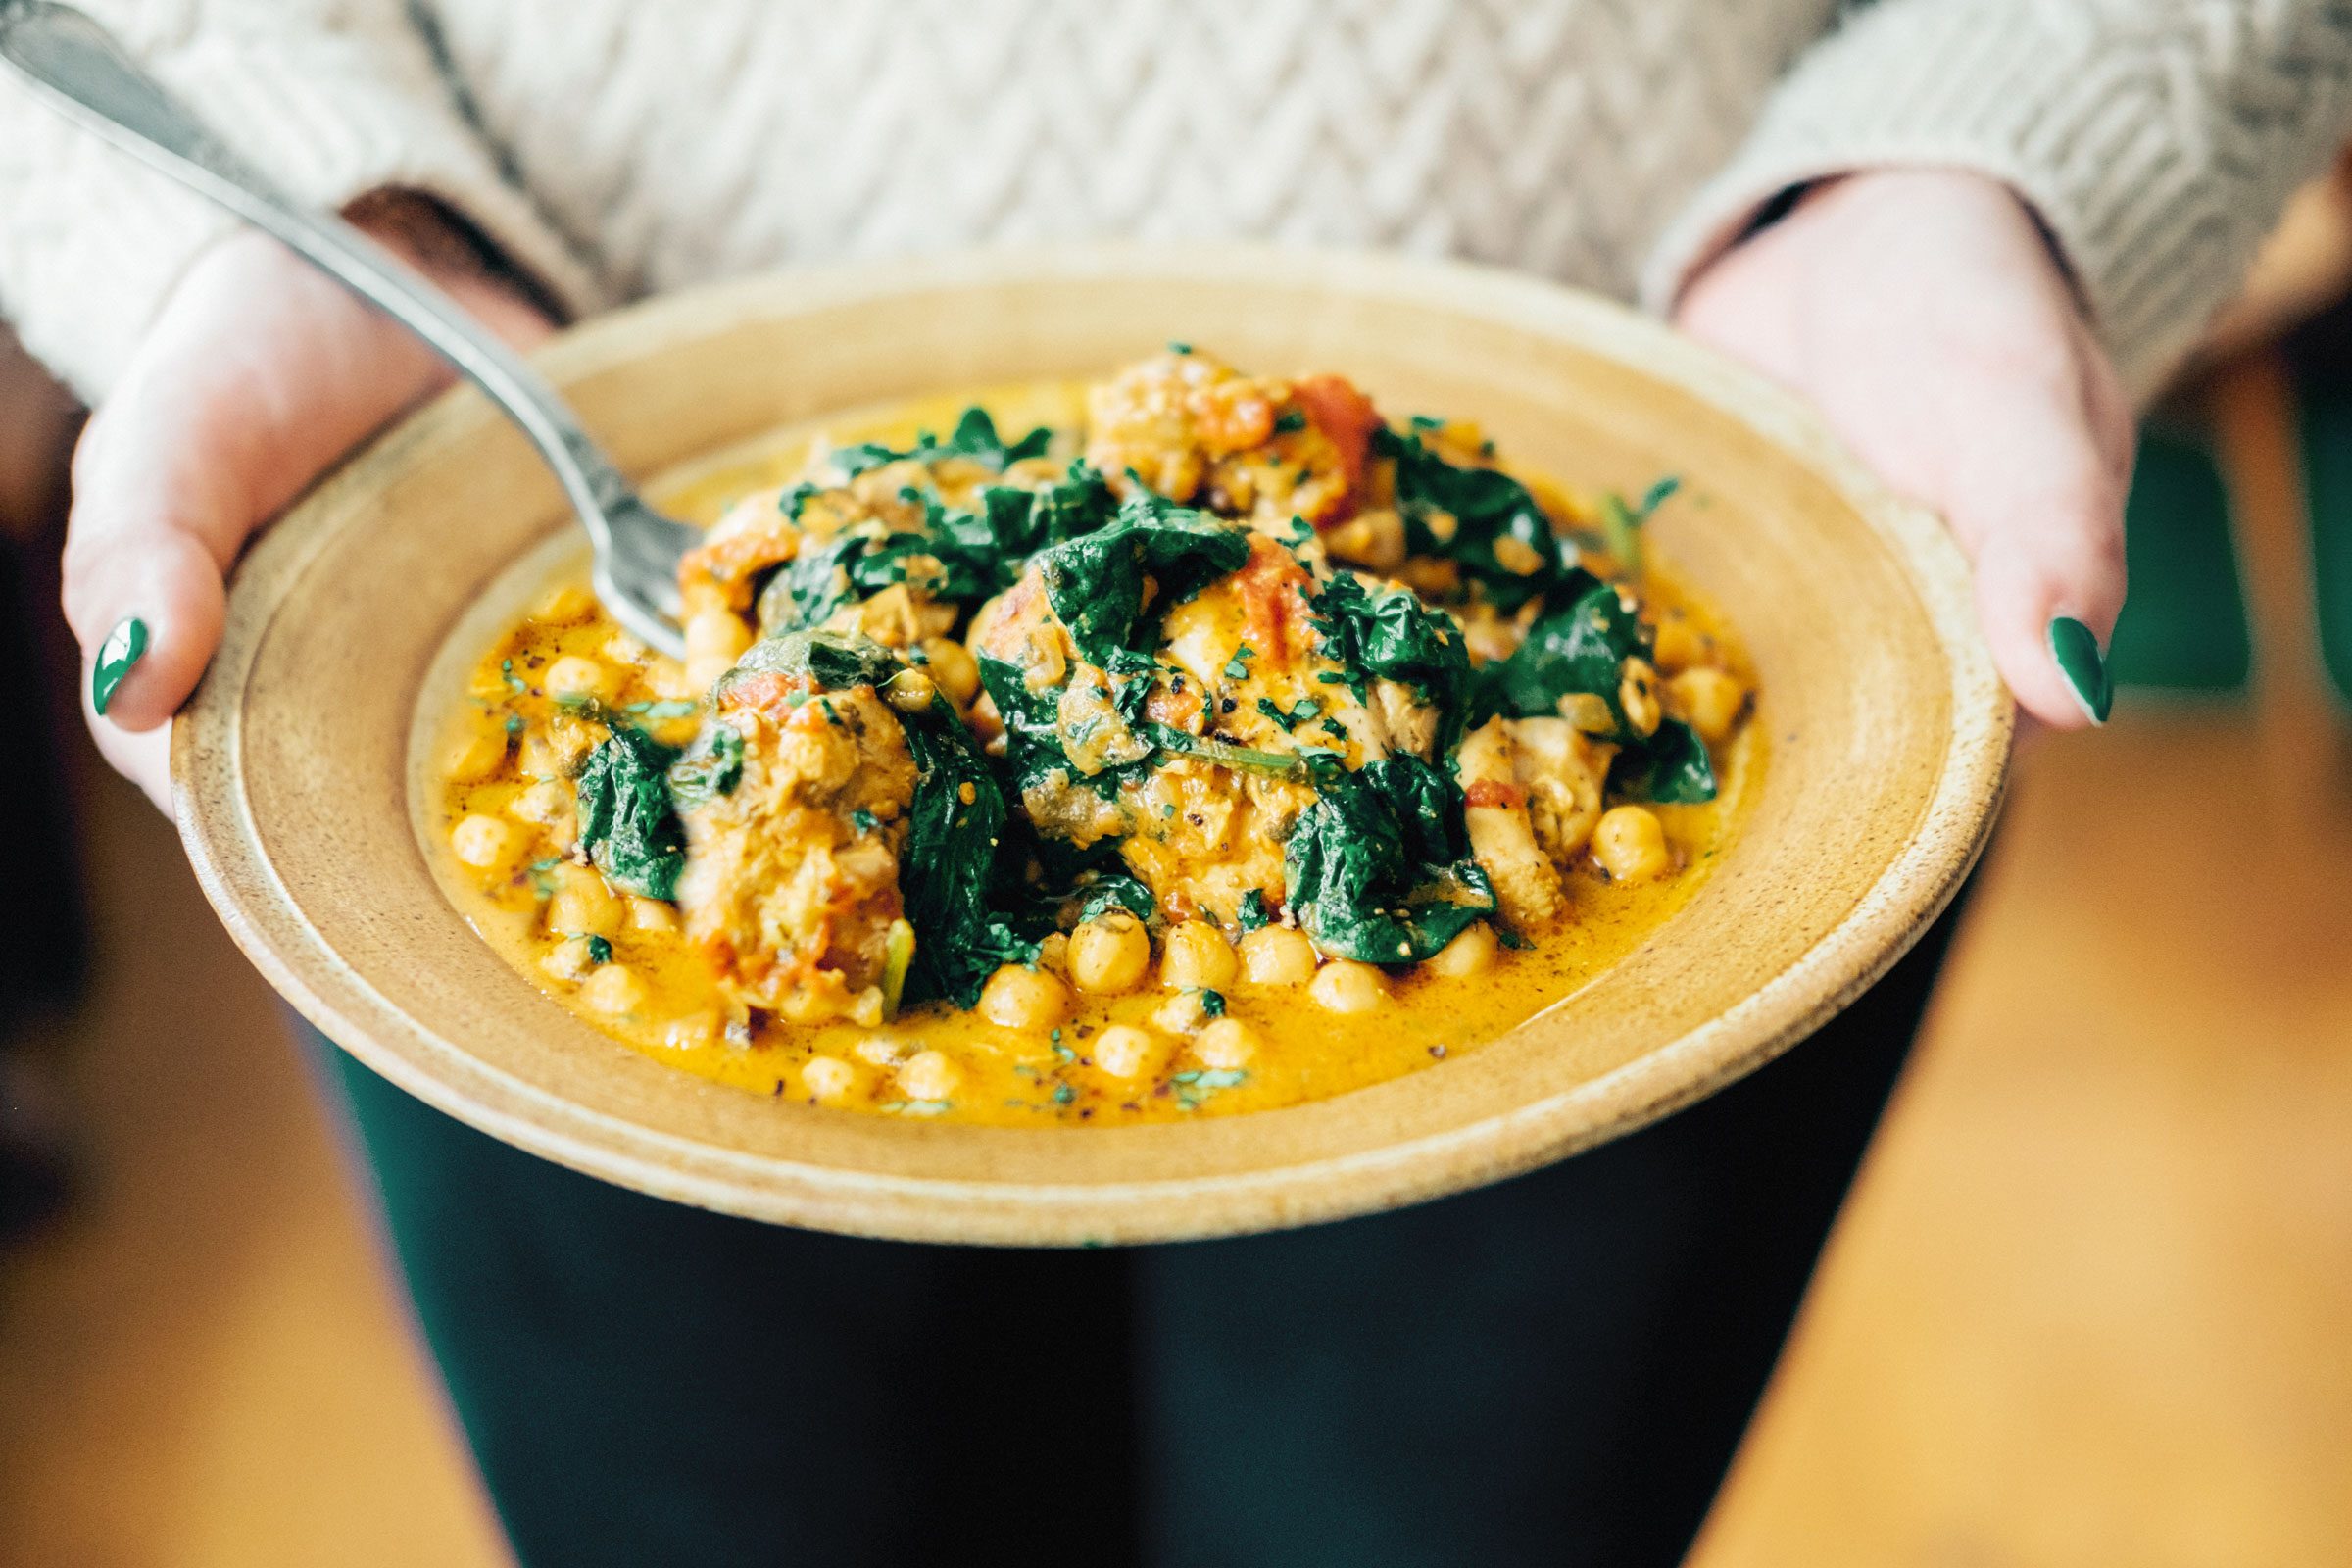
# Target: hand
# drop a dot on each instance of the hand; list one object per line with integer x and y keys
{"x": 258, "y": 374}
{"x": 1924, "y": 314}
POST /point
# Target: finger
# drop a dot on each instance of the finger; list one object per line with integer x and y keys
{"x": 2048, "y": 545}
{"x": 145, "y": 759}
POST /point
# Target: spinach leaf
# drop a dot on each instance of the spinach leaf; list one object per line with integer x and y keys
{"x": 1390, "y": 633}
{"x": 1621, "y": 524}
{"x": 974, "y": 436}
{"x": 1095, "y": 582}
{"x": 1033, "y": 750}
{"x": 626, "y": 823}
{"x": 1379, "y": 868}
{"x": 1117, "y": 891}
{"x": 827, "y": 660}
{"x": 1580, "y": 649}
{"x": 712, "y": 768}
{"x": 1253, "y": 913}
{"x": 948, "y": 864}
{"x": 1021, "y": 523}
{"x": 1672, "y": 767}
{"x": 959, "y": 555}
{"x": 1487, "y": 507}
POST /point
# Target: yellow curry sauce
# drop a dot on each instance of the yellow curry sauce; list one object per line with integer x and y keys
{"x": 567, "y": 673}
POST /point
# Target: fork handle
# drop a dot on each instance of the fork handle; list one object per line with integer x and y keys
{"x": 78, "y": 67}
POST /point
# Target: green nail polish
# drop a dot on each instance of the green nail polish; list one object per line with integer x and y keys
{"x": 122, "y": 648}
{"x": 2078, "y": 654}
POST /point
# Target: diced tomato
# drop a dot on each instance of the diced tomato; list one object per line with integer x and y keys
{"x": 1493, "y": 792}
{"x": 1337, "y": 409}
{"x": 1271, "y": 586}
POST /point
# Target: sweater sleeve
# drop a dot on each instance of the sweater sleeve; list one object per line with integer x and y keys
{"x": 331, "y": 98}
{"x": 2158, "y": 140}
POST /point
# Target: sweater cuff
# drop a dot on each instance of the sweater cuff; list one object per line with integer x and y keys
{"x": 95, "y": 243}
{"x": 2156, "y": 187}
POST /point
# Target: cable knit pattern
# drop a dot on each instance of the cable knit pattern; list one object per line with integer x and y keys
{"x": 2158, "y": 141}
{"x": 614, "y": 148}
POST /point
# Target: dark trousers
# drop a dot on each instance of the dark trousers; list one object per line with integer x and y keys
{"x": 1554, "y": 1370}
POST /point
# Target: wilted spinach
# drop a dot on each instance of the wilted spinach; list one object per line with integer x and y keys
{"x": 1379, "y": 868}
{"x": 1390, "y": 633}
{"x": 960, "y": 555}
{"x": 956, "y": 828}
{"x": 626, "y": 822}
{"x": 1487, "y": 506}
{"x": 1116, "y": 890}
{"x": 1582, "y": 648}
{"x": 1095, "y": 582}
{"x": 1671, "y": 766}
{"x": 974, "y": 436}
{"x": 711, "y": 769}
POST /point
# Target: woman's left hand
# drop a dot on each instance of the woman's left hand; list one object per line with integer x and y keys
{"x": 1924, "y": 314}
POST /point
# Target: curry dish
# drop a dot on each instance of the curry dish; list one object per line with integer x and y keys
{"x": 1213, "y": 744}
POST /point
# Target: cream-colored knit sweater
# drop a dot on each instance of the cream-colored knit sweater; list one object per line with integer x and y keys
{"x": 618, "y": 146}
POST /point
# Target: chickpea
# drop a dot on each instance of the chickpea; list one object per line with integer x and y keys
{"x": 1470, "y": 954}
{"x": 570, "y": 960}
{"x": 910, "y": 690}
{"x": 879, "y": 1051}
{"x": 544, "y": 804}
{"x": 1637, "y": 695}
{"x": 828, "y": 1079}
{"x": 575, "y": 677}
{"x": 1630, "y": 845}
{"x": 714, "y": 640}
{"x": 1016, "y": 997}
{"x": 951, "y": 665}
{"x": 652, "y": 915}
{"x": 568, "y": 601}
{"x": 582, "y": 905}
{"x": 1184, "y": 1013}
{"x": 484, "y": 843}
{"x": 1277, "y": 956}
{"x": 623, "y": 649}
{"x": 1709, "y": 700}
{"x": 475, "y": 754}
{"x": 1195, "y": 957}
{"x": 1347, "y": 985}
{"x": 928, "y": 1075}
{"x": 613, "y": 989}
{"x": 1679, "y": 644}
{"x": 1125, "y": 1051}
{"x": 692, "y": 1032}
{"x": 1226, "y": 1042}
{"x": 1110, "y": 953}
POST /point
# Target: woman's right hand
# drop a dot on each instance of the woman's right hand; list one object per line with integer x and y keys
{"x": 257, "y": 375}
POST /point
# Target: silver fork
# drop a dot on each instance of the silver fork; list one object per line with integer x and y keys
{"x": 76, "y": 65}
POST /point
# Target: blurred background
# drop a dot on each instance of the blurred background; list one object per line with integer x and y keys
{"x": 2089, "y": 1305}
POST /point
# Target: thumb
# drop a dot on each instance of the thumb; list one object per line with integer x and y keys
{"x": 2041, "y": 512}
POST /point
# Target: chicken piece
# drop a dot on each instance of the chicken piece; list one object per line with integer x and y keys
{"x": 1562, "y": 772}
{"x": 1194, "y": 429}
{"x": 719, "y": 579}
{"x": 1503, "y": 837}
{"x": 1241, "y": 670}
{"x": 792, "y": 878}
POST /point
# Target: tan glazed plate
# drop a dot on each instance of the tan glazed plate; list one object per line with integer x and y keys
{"x": 350, "y": 621}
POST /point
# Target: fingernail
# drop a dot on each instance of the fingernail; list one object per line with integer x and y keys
{"x": 2077, "y": 652}
{"x": 124, "y": 647}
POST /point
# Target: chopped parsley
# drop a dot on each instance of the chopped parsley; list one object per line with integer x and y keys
{"x": 1291, "y": 421}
